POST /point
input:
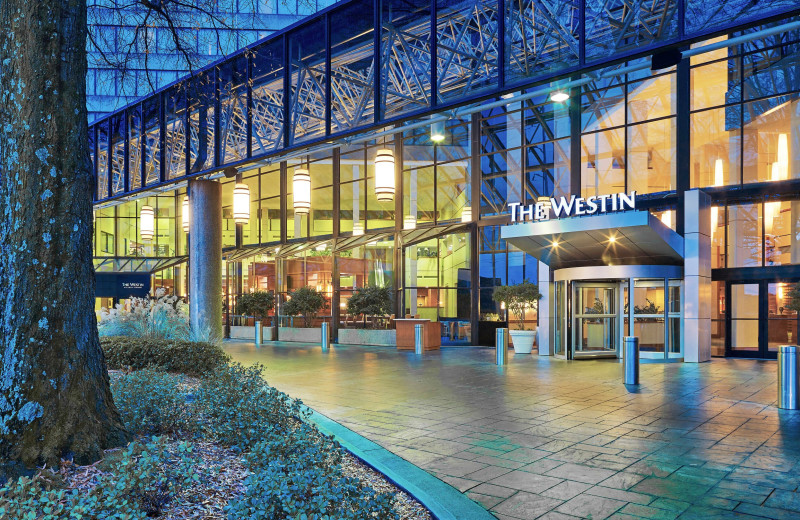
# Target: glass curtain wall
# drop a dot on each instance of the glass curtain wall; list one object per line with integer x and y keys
{"x": 438, "y": 285}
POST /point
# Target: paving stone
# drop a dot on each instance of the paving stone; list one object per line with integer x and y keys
{"x": 622, "y": 480}
{"x": 619, "y": 494}
{"x": 525, "y": 481}
{"x": 566, "y": 490}
{"x": 526, "y": 506}
{"x": 590, "y": 506}
{"x": 783, "y": 499}
{"x": 580, "y": 473}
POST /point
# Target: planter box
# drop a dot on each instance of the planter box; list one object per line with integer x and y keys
{"x": 300, "y": 334}
{"x": 248, "y": 333}
{"x": 387, "y": 338}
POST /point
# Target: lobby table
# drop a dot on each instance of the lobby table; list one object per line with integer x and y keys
{"x": 431, "y": 333}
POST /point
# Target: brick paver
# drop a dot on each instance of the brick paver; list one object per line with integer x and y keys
{"x": 546, "y": 438}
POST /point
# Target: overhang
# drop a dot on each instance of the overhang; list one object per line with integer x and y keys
{"x": 639, "y": 238}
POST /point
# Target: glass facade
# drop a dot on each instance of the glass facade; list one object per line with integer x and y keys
{"x": 725, "y": 121}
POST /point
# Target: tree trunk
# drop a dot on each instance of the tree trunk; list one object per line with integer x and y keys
{"x": 55, "y": 400}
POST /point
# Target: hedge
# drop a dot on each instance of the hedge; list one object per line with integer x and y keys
{"x": 193, "y": 358}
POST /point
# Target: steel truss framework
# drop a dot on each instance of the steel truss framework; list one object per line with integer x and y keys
{"x": 320, "y": 75}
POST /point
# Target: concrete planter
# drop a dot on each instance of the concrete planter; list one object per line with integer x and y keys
{"x": 387, "y": 338}
{"x": 248, "y": 332}
{"x": 523, "y": 340}
{"x": 300, "y": 334}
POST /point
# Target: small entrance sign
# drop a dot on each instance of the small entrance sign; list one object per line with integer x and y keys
{"x": 561, "y": 207}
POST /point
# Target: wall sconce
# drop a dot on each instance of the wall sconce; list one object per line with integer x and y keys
{"x": 147, "y": 223}
{"x": 301, "y": 190}
{"x": 384, "y": 175}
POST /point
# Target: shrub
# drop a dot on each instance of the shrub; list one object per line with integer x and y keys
{"x": 142, "y": 480}
{"x": 305, "y": 302}
{"x": 256, "y": 304}
{"x": 237, "y": 407}
{"x": 187, "y": 357}
{"x": 370, "y": 301}
{"x": 295, "y": 489}
{"x": 150, "y": 401}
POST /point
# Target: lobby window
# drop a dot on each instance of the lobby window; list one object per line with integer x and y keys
{"x": 500, "y": 264}
{"x": 628, "y": 134}
{"x": 745, "y": 110}
{"x": 321, "y": 215}
{"x": 436, "y": 177}
{"x": 500, "y": 152}
{"x": 371, "y": 264}
{"x": 270, "y": 205}
{"x": 547, "y": 148}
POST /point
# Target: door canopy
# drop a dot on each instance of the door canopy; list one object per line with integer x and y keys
{"x": 627, "y": 238}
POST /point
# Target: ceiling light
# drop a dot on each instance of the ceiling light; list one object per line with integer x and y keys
{"x": 554, "y": 244}
{"x": 612, "y": 239}
{"x": 559, "y": 96}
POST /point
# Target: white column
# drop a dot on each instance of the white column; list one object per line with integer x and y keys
{"x": 697, "y": 277}
{"x": 545, "y": 337}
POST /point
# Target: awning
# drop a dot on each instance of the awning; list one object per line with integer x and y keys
{"x": 639, "y": 238}
{"x": 118, "y": 264}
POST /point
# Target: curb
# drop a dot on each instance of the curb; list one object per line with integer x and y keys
{"x": 443, "y": 500}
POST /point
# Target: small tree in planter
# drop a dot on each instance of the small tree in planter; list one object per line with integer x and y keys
{"x": 305, "y": 302}
{"x": 256, "y": 304}
{"x": 517, "y": 298}
{"x": 370, "y": 301}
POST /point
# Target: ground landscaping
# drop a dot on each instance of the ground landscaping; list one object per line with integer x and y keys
{"x": 219, "y": 443}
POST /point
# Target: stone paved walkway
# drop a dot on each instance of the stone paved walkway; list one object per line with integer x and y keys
{"x": 546, "y": 438}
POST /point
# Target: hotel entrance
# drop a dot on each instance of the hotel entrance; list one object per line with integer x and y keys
{"x": 594, "y": 309}
{"x": 595, "y": 319}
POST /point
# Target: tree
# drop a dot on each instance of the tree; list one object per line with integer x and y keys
{"x": 257, "y": 304}
{"x": 55, "y": 399}
{"x": 518, "y": 298}
{"x": 370, "y": 301}
{"x": 305, "y": 302}
{"x": 794, "y": 298}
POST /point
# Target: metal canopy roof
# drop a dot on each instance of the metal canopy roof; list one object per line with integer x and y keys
{"x": 639, "y": 239}
{"x": 137, "y": 264}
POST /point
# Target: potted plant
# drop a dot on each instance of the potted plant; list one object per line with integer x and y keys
{"x": 305, "y": 302}
{"x": 257, "y": 304}
{"x": 370, "y": 303}
{"x": 518, "y": 298}
{"x": 651, "y": 331}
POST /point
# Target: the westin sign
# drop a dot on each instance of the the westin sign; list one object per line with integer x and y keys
{"x": 560, "y": 207}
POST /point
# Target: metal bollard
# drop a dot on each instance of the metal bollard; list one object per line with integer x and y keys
{"x": 326, "y": 338}
{"x": 501, "y": 346}
{"x": 630, "y": 360}
{"x": 419, "y": 335}
{"x": 259, "y": 339}
{"x": 788, "y": 383}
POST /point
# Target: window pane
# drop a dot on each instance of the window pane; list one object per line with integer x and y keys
{"x": 771, "y": 141}
{"x": 651, "y": 157}
{"x": 715, "y": 147}
{"x": 603, "y": 162}
{"x": 744, "y": 235}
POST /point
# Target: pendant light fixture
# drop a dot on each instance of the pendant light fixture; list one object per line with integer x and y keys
{"x": 301, "y": 191}
{"x": 437, "y": 131}
{"x": 147, "y": 223}
{"x": 241, "y": 203}
{"x": 384, "y": 175}
{"x": 185, "y": 213}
